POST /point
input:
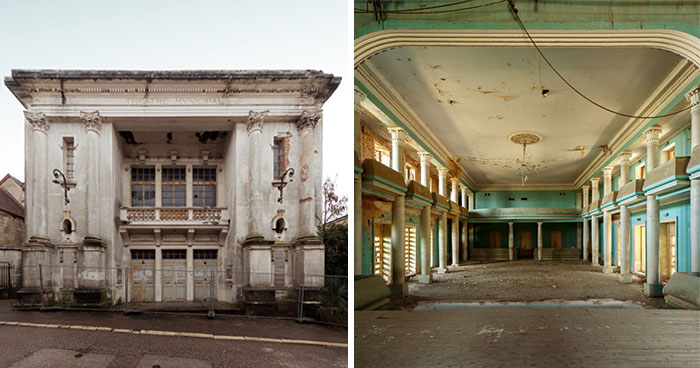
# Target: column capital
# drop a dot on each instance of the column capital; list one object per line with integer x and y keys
{"x": 462, "y": 188}
{"x": 359, "y": 97}
{"x": 624, "y": 156}
{"x": 92, "y": 120}
{"x": 398, "y": 135}
{"x": 652, "y": 134}
{"x": 539, "y": 223}
{"x": 585, "y": 187}
{"x": 37, "y": 120}
{"x": 255, "y": 120}
{"x": 510, "y": 223}
{"x": 442, "y": 171}
{"x": 607, "y": 171}
{"x": 694, "y": 96}
{"x": 594, "y": 181}
{"x": 454, "y": 181}
{"x": 424, "y": 156}
{"x": 308, "y": 119}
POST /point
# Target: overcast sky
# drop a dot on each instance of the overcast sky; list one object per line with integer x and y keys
{"x": 175, "y": 34}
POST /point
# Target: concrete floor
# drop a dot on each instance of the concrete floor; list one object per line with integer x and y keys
{"x": 518, "y": 337}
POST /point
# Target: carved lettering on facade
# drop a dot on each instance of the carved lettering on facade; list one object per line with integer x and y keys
{"x": 174, "y": 101}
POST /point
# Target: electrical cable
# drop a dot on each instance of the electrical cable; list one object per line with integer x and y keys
{"x": 431, "y": 12}
{"x": 511, "y": 6}
{"x": 420, "y": 9}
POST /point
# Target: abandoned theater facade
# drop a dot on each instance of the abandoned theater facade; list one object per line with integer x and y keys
{"x": 168, "y": 180}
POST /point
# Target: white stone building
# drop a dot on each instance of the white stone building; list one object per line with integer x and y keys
{"x": 172, "y": 174}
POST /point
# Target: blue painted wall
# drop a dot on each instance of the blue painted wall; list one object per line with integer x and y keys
{"x": 535, "y": 199}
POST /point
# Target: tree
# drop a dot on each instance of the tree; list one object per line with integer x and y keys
{"x": 334, "y": 236}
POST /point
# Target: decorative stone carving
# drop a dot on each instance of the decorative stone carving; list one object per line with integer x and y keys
{"x": 308, "y": 119}
{"x": 37, "y": 120}
{"x": 359, "y": 97}
{"x": 424, "y": 156}
{"x": 255, "y": 120}
{"x": 92, "y": 120}
{"x": 693, "y": 96}
{"x": 652, "y": 135}
{"x": 398, "y": 135}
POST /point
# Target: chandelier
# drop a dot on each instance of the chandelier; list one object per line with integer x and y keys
{"x": 524, "y": 166}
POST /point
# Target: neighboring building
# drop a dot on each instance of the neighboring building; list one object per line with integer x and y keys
{"x": 172, "y": 174}
{"x": 11, "y": 230}
{"x": 468, "y": 146}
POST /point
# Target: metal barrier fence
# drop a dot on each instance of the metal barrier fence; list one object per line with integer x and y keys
{"x": 10, "y": 280}
{"x": 176, "y": 288}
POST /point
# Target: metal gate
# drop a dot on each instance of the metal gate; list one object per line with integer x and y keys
{"x": 174, "y": 274}
{"x": 143, "y": 266}
{"x": 204, "y": 263}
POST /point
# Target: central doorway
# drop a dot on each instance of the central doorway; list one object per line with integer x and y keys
{"x": 525, "y": 245}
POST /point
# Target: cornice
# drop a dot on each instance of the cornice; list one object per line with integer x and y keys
{"x": 494, "y": 187}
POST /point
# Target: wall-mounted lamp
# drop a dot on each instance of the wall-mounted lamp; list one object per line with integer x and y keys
{"x": 280, "y": 184}
{"x": 57, "y": 174}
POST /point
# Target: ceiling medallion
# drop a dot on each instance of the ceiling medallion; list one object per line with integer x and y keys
{"x": 525, "y": 139}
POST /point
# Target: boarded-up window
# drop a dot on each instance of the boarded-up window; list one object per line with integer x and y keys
{"x": 555, "y": 239}
{"x": 382, "y": 251}
{"x": 495, "y": 239}
{"x": 410, "y": 250}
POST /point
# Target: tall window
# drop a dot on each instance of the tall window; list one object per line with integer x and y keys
{"x": 278, "y": 156}
{"x": 69, "y": 157}
{"x": 143, "y": 187}
{"x": 173, "y": 187}
{"x": 204, "y": 187}
{"x": 382, "y": 155}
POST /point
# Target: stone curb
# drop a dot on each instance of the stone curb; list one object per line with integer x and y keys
{"x": 178, "y": 334}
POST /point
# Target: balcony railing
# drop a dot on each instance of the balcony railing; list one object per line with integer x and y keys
{"x": 174, "y": 215}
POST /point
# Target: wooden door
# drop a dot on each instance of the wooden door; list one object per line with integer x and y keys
{"x": 495, "y": 239}
{"x": 142, "y": 275}
{"x": 525, "y": 244}
{"x": 204, "y": 263}
{"x": 555, "y": 239}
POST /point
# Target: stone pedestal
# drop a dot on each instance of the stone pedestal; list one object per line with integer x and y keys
{"x": 257, "y": 263}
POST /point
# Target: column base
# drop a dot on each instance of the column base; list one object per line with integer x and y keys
{"x": 626, "y": 278}
{"x": 441, "y": 270}
{"x": 608, "y": 269}
{"x": 424, "y": 279}
{"x": 454, "y": 265}
{"x": 510, "y": 254}
{"x": 399, "y": 290}
{"x": 653, "y": 290}
{"x": 539, "y": 254}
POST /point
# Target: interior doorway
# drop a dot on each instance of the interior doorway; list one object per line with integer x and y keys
{"x": 667, "y": 250}
{"x": 525, "y": 245}
{"x": 640, "y": 254}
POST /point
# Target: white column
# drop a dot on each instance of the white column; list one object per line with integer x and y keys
{"x": 442, "y": 243}
{"x": 586, "y": 200}
{"x": 254, "y": 127}
{"x": 465, "y": 240}
{"x": 398, "y": 160}
{"x": 510, "y": 240}
{"x": 594, "y": 241}
{"x": 652, "y": 287}
{"x": 455, "y": 191}
{"x": 607, "y": 224}
{"x": 442, "y": 180}
{"x": 595, "y": 194}
{"x": 539, "y": 241}
{"x": 398, "y": 226}
{"x": 307, "y": 176}
{"x": 424, "y": 168}
{"x": 357, "y": 198}
{"x": 625, "y": 224}
{"x": 190, "y": 274}
{"x": 463, "y": 192}
{"x": 159, "y": 274}
{"x": 455, "y": 242}
{"x": 694, "y": 97}
{"x": 189, "y": 200}
{"x": 425, "y": 277}
{"x": 39, "y": 192}
{"x": 93, "y": 124}
{"x": 586, "y": 238}
{"x": 470, "y": 196}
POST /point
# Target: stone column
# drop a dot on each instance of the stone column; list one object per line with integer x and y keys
{"x": 539, "y": 241}
{"x": 465, "y": 240}
{"x": 607, "y": 223}
{"x": 471, "y": 201}
{"x": 594, "y": 241}
{"x": 442, "y": 181}
{"x": 398, "y": 160}
{"x": 455, "y": 242}
{"x": 442, "y": 243}
{"x": 586, "y": 238}
{"x": 39, "y": 193}
{"x": 694, "y": 97}
{"x": 425, "y": 277}
{"x": 652, "y": 287}
{"x": 159, "y": 274}
{"x": 463, "y": 192}
{"x": 595, "y": 194}
{"x": 625, "y": 224}
{"x": 586, "y": 200}
{"x": 190, "y": 274}
{"x": 307, "y": 208}
{"x": 425, "y": 168}
{"x": 254, "y": 127}
{"x": 398, "y": 268}
{"x": 455, "y": 191}
{"x": 510, "y": 240}
{"x": 93, "y": 124}
{"x": 357, "y": 198}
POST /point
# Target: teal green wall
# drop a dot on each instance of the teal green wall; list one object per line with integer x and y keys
{"x": 482, "y": 236}
{"x": 535, "y": 199}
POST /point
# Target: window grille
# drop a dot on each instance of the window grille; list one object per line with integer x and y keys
{"x": 205, "y": 254}
{"x": 278, "y": 157}
{"x": 143, "y": 254}
{"x": 410, "y": 250}
{"x": 69, "y": 157}
{"x": 174, "y": 254}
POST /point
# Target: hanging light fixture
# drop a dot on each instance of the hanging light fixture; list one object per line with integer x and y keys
{"x": 525, "y": 167}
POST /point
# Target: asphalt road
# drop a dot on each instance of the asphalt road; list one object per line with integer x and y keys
{"x": 53, "y": 347}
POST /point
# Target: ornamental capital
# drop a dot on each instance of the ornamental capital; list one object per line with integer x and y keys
{"x": 308, "y": 119}
{"x": 694, "y": 96}
{"x": 594, "y": 182}
{"x": 424, "y": 156}
{"x": 37, "y": 120}
{"x": 442, "y": 171}
{"x": 607, "y": 171}
{"x": 359, "y": 97}
{"x": 585, "y": 187}
{"x": 398, "y": 135}
{"x": 255, "y": 120}
{"x": 92, "y": 120}
{"x": 652, "y": 134}
{"x": 624, "y": 157}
